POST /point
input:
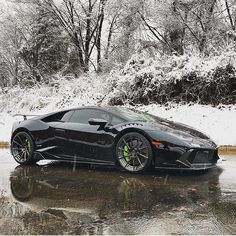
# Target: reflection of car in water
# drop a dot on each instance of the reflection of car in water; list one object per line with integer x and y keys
{"x": 57, "y": 186}
{"x": 112, "y": 136}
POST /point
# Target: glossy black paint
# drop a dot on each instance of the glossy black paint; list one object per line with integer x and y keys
{"x": 56, "y": 136}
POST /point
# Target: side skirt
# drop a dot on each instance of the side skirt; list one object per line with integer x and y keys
{"x": 77, "y": 159}
{"x": 195, "y": 167}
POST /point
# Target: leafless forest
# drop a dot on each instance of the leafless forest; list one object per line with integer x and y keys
{"x": 41, "y": 38}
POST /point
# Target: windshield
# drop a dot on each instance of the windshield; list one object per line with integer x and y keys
{"x": 133, "y": 115}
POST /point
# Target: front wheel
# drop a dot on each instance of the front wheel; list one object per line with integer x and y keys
{"x": 134, "y": 152}
{"x": 22, "y": 148}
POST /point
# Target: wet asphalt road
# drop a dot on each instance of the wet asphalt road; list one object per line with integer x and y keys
{"x": 57, "y": 198}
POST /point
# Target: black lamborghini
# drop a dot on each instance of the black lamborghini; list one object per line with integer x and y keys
{"x": 118, "y": 136}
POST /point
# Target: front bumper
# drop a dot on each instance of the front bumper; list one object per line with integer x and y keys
{"x": 183, "y": 158}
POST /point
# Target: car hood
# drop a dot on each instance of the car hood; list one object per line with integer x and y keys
{"x": 187, "y": 134}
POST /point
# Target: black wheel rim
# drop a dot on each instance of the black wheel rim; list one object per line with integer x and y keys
{"x": 21, "y": 147}
{"x": 133, "y": 153}
{"x": 22, "y": 184}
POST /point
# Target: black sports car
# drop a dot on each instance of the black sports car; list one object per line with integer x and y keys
{"x": 118, "y": 136}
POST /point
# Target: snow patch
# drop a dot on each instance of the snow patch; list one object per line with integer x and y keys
{"x": 217, "y": 122}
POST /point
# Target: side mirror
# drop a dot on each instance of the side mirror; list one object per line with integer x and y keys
{"x": 101, "y": 122}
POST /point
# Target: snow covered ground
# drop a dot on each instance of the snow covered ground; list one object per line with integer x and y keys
{"x": 218, "y": 123}
{"x": 67, "y": 92}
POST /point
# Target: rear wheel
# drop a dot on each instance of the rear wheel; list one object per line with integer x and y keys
{"x": 22, "y": 148}
{"x": 134, "y": 152}
{"x": 22, "y": 183}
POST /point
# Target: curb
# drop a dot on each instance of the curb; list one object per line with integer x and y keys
{"x": 227, "y": 150}
{"x": 223, "y": 150}
{"x": 4, "y": 145}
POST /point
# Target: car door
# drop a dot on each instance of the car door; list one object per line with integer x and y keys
{"x": 86, "y": 142}
{"x": 55, "y": 139}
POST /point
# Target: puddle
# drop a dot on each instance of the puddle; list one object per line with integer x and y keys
{"x": 51, "y": 198}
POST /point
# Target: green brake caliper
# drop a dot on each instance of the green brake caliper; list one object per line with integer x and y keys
{"x": 126, "y": 152}
{"x": 29, "y": 146}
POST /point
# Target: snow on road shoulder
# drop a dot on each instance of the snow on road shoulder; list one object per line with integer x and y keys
{"x": 6, "y": 122}
{"x": 218, "y": 123}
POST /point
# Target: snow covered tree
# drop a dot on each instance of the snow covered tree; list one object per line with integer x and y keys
{"x": 122, "y": 30}
{"x": 11, "y": 39}
{"x": 45, "y": 50}
{"x": 82, "y": 21}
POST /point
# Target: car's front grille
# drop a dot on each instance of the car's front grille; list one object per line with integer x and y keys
{"x": 205, "y": 156}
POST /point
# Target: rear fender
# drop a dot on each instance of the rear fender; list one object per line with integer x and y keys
{"x": 39, "y": 131}
{"x": 21, "y": 129}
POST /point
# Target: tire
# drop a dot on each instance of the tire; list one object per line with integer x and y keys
{"x": 22, "y": 183}
{"x": 134, "y": 152}
{"x": 22, "y": 148}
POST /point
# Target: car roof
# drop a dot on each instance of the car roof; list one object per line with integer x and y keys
{"x": 102, "y": 108}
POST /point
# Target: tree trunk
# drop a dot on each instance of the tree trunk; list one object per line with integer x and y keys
{"x": 176, "y": 36}
{"x": 80, "y": 52}
{"x": 110, "y": 35}
{"x": 203, "y": 41}
{"x": 98, "y": 43}
{"x": 229, "y": 15}
{"x": 87, "y": 37}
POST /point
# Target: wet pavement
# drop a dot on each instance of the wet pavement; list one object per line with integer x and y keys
{"x": 59, "y": 198}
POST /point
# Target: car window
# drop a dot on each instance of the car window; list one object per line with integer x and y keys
{"x": 60, "y": 116}
{"x": 67, "y": 116}
{"x": 116, "y": 120}
{"x": 83, "y": 115}
{"x": 132, "y": 115}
